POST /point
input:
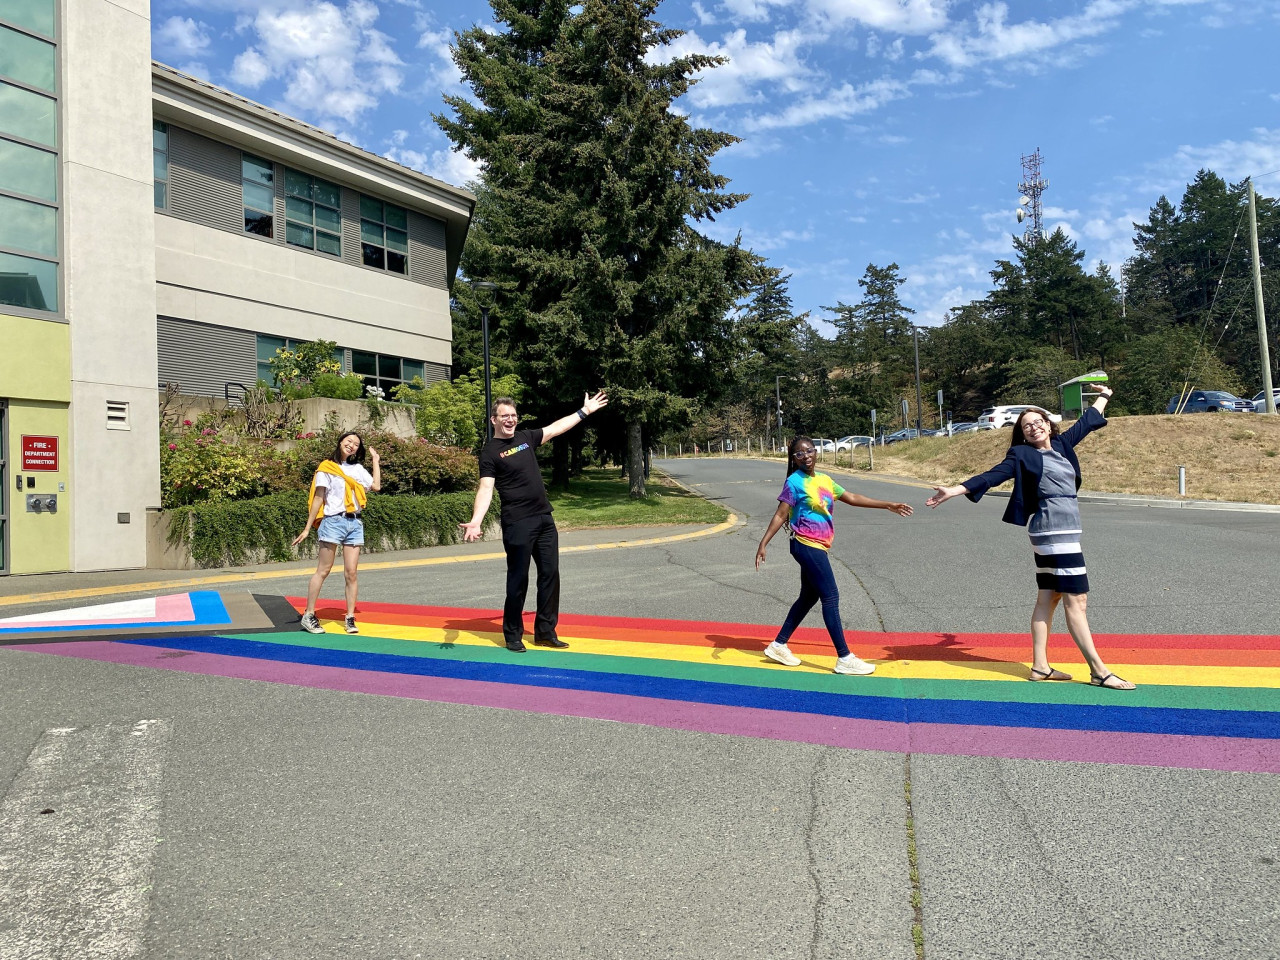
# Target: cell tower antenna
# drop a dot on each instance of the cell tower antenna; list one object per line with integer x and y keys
{"x": 1031, "y": 188}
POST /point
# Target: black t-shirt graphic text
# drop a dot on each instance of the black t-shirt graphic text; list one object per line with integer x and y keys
{"x": 514, "y": 468}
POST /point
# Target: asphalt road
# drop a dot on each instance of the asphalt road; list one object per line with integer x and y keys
{"x": 287, "y": 822}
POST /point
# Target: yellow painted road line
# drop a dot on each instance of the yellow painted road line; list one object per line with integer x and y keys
{"x": 1153, "y": 674}
{"x": 258, "y": 576}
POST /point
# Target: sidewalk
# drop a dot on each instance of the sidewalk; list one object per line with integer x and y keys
{"x": 50, "y": 587}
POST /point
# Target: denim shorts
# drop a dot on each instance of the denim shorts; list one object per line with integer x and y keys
{"x": 342, "y": 531}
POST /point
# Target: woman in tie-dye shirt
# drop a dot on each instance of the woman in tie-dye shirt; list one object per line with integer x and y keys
{"x": 806, "y": 503}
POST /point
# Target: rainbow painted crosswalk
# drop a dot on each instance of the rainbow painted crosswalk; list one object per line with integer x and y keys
{"x": 1206, "y": 702}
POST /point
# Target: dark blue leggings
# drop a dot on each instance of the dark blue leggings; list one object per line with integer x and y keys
{"x": 816, "y": 582}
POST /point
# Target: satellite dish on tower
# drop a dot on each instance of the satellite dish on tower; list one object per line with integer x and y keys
{"x": 1024, "y": 200}
{"x": 1022, "y": 214}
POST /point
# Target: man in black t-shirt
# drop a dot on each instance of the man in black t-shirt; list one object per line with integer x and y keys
{"x": 507, "y": 461}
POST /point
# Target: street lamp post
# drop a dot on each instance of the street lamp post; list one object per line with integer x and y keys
{"x": 484, "y": 338}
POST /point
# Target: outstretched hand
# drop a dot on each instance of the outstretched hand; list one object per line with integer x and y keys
{"x": 943, "y": 494}
{"x": 471, "y": 531}
{"x": 901, "y": 509}
{"x": 592, "y": 404}
{"x": 302, "y": 536}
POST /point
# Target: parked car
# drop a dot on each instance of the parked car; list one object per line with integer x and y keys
{"x": 1007, "y": 416}
{"x": 930, "y": 432}
{"x": 1209, "y": 401}
{"x": 1260, "y": 401}
{"x": 824, "y": 446}
{"x": 848, "y": 443}
{"x": 906, "y": 434}
{"x": 963, "y": 428}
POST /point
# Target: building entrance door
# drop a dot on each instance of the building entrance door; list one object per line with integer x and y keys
{"x": 5, "y": 496}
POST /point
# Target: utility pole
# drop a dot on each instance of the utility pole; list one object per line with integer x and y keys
{"x": 1269, "y": 397}
{"x": 915, "y": 335}
{"x": 777, "y": 395}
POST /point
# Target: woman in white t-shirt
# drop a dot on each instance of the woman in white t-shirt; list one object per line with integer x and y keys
{"x": 338, "y": 496}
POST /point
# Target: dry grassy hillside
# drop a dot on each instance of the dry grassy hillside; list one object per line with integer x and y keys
{"x": 1227, "y": 456}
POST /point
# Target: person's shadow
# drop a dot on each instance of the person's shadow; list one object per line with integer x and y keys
{"x": 949, "y": 648}
{"x": 485, "y": 628}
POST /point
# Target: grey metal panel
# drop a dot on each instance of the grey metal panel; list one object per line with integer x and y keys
{"x": 433, "y": 372}
{"x": 204, "y": 181}
{"x": 278, "y": 227}
{"x": 426, "y": 250}
{"x": 351, "y": 229}
{"x": 204, "y": 358}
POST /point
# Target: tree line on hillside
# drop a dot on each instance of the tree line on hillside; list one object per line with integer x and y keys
{"x": 590, "y": 216}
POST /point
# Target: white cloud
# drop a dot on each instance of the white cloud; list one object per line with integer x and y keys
{"x": 777, "y": 64}
{"x": 181, "y": 37}
{"x": 752, "y": 10}
{"x": 332, "y": 61}
{"x": 992, "y": 37}
{"x": 838, "y": 104}
{"x": 896, "y": 16}
{"x": 447, "y": 165}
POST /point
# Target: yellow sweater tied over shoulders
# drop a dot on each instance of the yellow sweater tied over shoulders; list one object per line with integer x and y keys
{"x": 354, "y": 496}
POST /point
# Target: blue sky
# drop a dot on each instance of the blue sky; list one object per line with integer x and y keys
{"x": 874, "y": 131}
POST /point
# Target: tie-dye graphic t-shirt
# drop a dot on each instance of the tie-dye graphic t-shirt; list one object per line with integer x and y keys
{"x": 811, "y": 499}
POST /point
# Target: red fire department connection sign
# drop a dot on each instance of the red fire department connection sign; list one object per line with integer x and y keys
{"x": 39, "y": 453}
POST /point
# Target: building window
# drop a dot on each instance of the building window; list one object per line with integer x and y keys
{"x": 268, "y": 346}
{"x": 384, "y": 235}
{"x": 258, "y": 182}
{"x": 160, "y": 160}
{"x": 29, "y": 211}
{"x": 387, "y": 372}
{"x": 312, "y": 209}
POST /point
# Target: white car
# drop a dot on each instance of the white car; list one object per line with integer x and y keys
{"x": 1260, "y": 401}
{"x": 1007, "y": 416}
{"x": 848, "y": 443}
{"x": 824, "y": 446}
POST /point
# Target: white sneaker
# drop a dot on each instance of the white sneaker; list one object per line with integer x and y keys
{"x": 852, "y": 664}
{"x": 779, "y": 652}
{"x": 311, "y": 624}
{"x": 351, "y": 625}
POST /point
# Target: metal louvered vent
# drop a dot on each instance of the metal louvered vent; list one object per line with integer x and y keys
{"x": 204, "y": 181}
{"x": 117, "y": 414}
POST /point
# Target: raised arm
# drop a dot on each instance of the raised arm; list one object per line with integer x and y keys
{"x": 589, "y": 406}
{"x": 377, "y": 470}
{"x": 471, "y": 530}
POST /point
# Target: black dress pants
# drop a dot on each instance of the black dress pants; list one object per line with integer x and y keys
{"x": 533, "y": 538}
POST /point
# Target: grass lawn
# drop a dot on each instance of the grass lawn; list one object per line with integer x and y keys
{"x": 1228, "y": 456}
{"x": 600, "y": 498}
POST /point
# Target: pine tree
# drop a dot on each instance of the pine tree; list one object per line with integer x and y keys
{"x": 594, "y": 181}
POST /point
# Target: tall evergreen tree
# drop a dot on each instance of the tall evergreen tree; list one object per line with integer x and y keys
{"x": 595, "y": 183}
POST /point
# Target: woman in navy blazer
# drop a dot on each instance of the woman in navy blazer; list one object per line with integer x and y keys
{"x": 1046, "y": 475}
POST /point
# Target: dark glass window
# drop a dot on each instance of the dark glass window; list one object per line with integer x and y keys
{"x": 313, "y": 215}
{"x": 160, "y": 160}
{"x": 257, "y": 178}
{"x": 384, "y": 236}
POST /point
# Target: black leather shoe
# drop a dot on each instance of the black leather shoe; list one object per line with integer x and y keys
{"x": 516, "y": 646}
{"x": 551, "y": 642}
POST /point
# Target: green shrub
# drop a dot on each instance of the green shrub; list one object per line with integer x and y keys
{"x": 203, "y": 465}
{"x": 453, "y": 413}
{"x": 339, "y": 386}
{"x": 230, "y": 533}
{"x": 408, "y": 466}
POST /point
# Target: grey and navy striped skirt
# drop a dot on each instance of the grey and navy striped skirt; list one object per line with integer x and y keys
{"x": 1060, "y": 561}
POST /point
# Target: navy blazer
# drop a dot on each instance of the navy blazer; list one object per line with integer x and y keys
{"x": 1024, "y": 464}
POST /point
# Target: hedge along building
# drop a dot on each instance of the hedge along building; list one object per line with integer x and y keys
{"x": 154, "y": 229}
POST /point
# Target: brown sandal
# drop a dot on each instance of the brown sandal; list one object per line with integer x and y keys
{"x": 1038, "y": 676}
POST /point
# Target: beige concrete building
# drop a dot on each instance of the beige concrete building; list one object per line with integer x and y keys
{"x": 153, "y": 229}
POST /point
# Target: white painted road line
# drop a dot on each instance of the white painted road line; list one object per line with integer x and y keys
{"x": 78, "y": 832}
